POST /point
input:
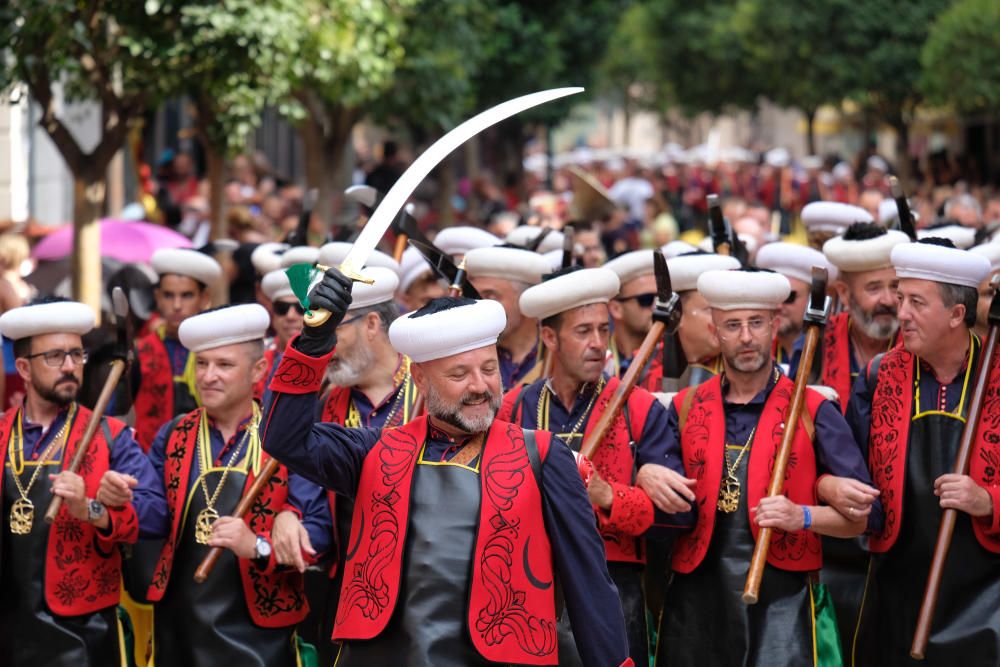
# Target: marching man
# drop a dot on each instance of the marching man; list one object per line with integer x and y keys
{"x": 910, "y": 407}
{"x": 60, "y": 584}
{"x": 245, "y": 613}
{"x": 462, "y": 522}
{"x": 729, "y": 429}
{"x": 573, "y": 310}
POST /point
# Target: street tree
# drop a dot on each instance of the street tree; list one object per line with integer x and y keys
{"x": 228, "y": 59}
{"x": 112, "y": 52}
{"x": 959, "y": 61}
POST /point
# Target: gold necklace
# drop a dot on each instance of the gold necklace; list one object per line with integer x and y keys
{"x": 543, "y": 411}
{"x": 209, "y": 515}
{"x": 729, "y": 492}
{"x": 22, "y": 512}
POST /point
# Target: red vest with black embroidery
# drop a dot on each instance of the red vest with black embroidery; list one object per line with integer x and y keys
{"x": 889, "y": 435}
{"x": 703, "y": 439}
{"x": 631, "y": 509}
{"x": 837, "y": 358}
{"x": 509, "y": 619}
{"x": 274, "y": 599}
{"x": 154, "y": 403}
{"x": 82, "y": 566}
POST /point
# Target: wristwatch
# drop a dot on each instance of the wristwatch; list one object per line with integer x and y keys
{"x": 95, "y": 510}
{"x": 263, "y": 548}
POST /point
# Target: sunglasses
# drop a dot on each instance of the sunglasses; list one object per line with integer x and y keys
{"x": 281, "y": 308}
{"x": 644, "y": 300}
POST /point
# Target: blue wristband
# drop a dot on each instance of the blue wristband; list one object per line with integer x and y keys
{"x": 807, "y": 518}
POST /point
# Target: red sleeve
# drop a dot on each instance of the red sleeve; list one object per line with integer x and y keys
{"x": 990, "y": 525}
{"x": 631, "y": 511}
{"x": 299, "y": 373}
{"x": 124, "y": 526}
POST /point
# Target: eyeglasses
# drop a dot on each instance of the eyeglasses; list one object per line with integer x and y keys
{"x": 756, "y": 325}
{"x": 349, "y": 320}
{"x": 644, "y": 300}
{"x": 57, "y": 358}
{"x": 792, "y": 296}
{"x": 281, "y": 308}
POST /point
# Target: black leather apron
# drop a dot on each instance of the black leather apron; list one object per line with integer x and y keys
{"x": 705, "y": 621}
{"x": 966, "y": 627}
{"x": 429, "y": 626}
{"x": 30, "y": 635}
{"x": 208, "y": 625}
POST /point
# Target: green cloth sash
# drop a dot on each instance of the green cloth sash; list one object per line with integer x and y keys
{"x": 826, "y": 638}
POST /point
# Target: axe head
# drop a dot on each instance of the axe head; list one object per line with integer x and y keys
{"x": 123, "y": 340}
{"x": 819, "y": 302}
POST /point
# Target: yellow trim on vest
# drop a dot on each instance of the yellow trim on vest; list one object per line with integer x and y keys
{"x": 421, "y": 461}
{"x": 957, "y": 414}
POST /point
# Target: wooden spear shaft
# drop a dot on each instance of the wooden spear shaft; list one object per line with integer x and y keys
{"x": 246, "y": 502}
{"x": 625, "y": 388}
{"x": 949, "y": 516}
{"x": 751, "y": 589}
{"x": 114, "y": 376}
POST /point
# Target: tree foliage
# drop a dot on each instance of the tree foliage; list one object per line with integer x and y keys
{"x": 959, "y": 60}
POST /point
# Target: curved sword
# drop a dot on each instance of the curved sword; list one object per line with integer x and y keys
{"x": 396, "y": 198}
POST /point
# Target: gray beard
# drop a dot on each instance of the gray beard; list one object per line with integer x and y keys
{"x": 751, "y": 366}
{"x": 349, "y": 370}
{"x": 870, "y": 327}
{"x": 451, "y": 414}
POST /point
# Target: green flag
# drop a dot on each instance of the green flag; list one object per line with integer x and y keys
{"x": 300, "y": 277}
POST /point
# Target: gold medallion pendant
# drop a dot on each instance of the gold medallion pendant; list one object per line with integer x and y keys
{"x": 22, "y": 516}
{"x": 203, "y": 527}
{"x": 729, "y": 495}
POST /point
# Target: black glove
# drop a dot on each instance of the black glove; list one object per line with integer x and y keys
{"x": 333, "y": 294}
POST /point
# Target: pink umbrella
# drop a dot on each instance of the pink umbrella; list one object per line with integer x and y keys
{"x": 124, "y": 240}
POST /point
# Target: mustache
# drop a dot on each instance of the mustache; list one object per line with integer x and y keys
{"x": 68, "y": 378}
{"x": 472, "y": 398}
{"x": 883, "y": 310}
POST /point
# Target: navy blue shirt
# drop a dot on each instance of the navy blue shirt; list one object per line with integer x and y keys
{"x": 126, "y": 457}
{"x": 511, "y": 371}
{"x": 837, "y": 452}
{"x": 332, "y": 455}
{"x": 652, "y": 445}
{"x": 934, "y": 395}
{"x": 308, "y": 498}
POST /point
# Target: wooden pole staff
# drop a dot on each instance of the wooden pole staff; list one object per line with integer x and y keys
{"x": 120, "y": 305}
{"x": 949, "y": 516}
{"x": 815, "y": 318}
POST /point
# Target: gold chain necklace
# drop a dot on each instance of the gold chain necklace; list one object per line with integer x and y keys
{"x": 22, "y": 512}
{"x": 729, "y": 493}
{"x": 543, "y": 411}
{"x": 209, "y": 515}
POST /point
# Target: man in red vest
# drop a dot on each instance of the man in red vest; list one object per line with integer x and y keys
{"x": 168, "y": 388}
{"x": 729, "y": 429}
{"x": 866, "y": 287}
{"x": 60, "y": 584}
{"x": 573, "y": 309}
{"x": 371, "y": 386}
{"x": 910, "y": 408}
{"x": 463, "y": 523}
{"x": 247, "y": 610}
{"x": 502, "y": 274}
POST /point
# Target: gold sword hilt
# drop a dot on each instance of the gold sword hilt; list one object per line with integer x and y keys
{"x": 318, "y": 317}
